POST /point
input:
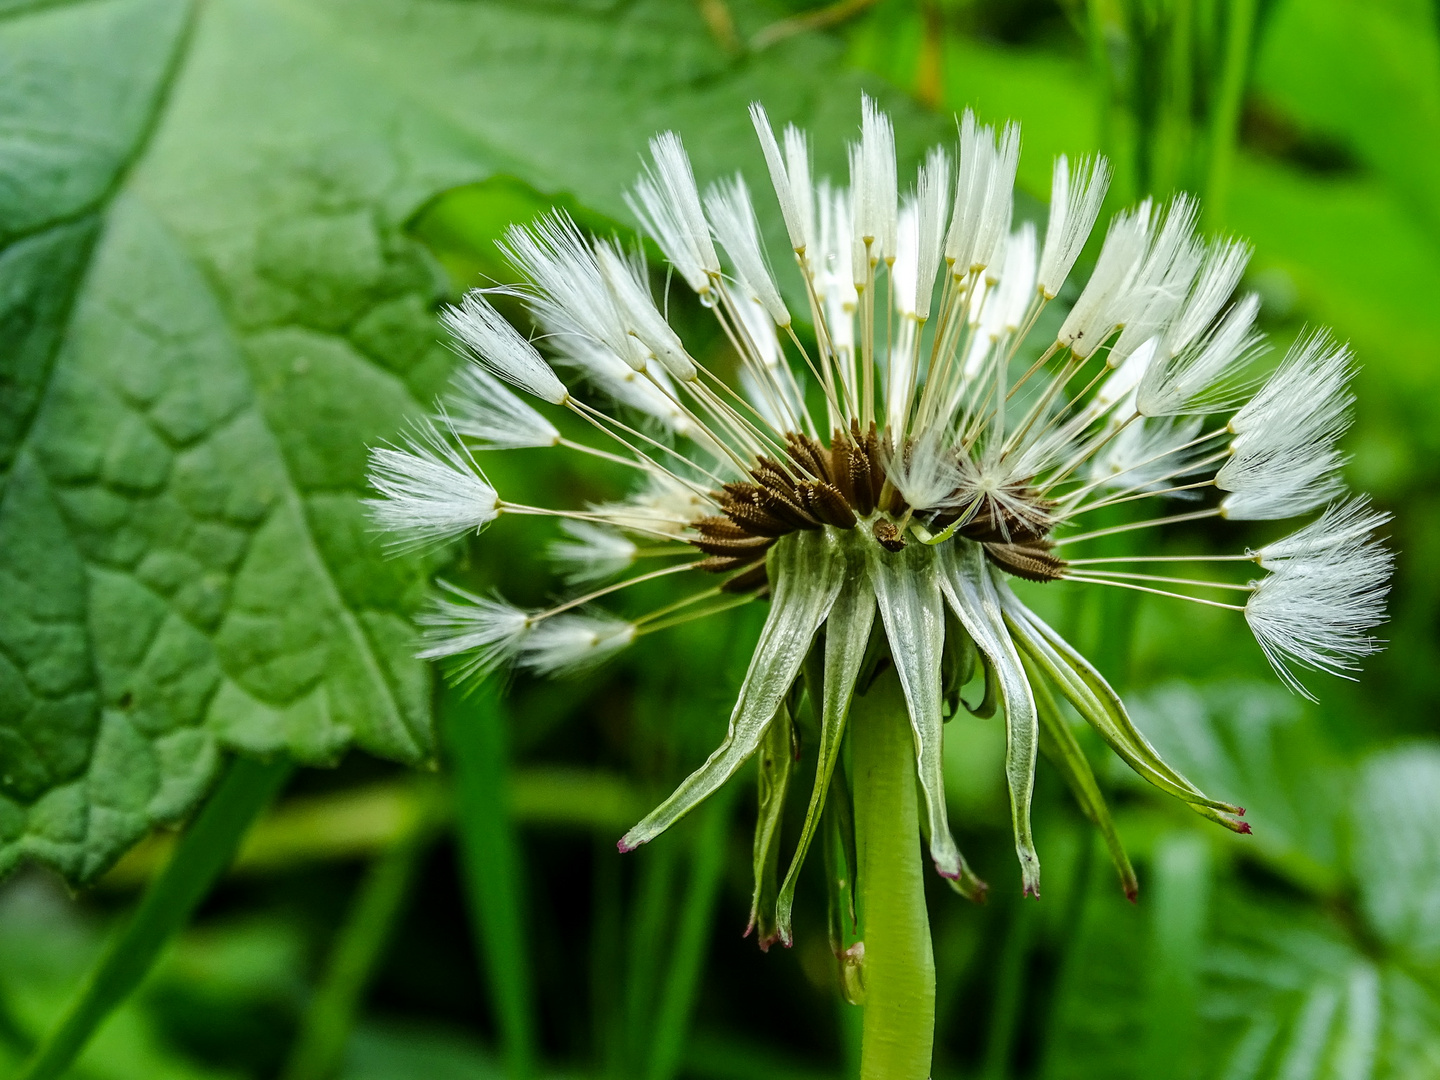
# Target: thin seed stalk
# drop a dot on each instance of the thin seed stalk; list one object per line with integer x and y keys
{"x": 899, "y": 966}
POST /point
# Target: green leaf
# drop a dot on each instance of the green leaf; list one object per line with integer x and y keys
{"x": 1395, "y": 848}
{"x": 1283, "y": 993}
{"x": 1259, "y": 745}
{"x": 210, "y": 306}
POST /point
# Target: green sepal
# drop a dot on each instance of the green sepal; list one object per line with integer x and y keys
{"x": 957, "y": 665}
{"x": 1059, "y": 745}
{"x": 1086, "y": 689}
{"x": 806, "y": 571}
{"x": 847, "y": 637}
{"x": 773, "y": 781}
{"x": 990, "y": 699}
{"x": 969, "y": 586}
{"x": 907, "y": 589}
{"x": 837, "y": 832}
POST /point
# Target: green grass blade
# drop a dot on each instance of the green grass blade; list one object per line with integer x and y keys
{"x": 201, "y": 856}
{"x": 1225, "y": 113}
{"x": 650, "y": 921}
{"x": 1007, "y": 1000}
{"x": 682, "y": 981}
{"x": 474, "y": 733}
{"x": 359, "y": 945}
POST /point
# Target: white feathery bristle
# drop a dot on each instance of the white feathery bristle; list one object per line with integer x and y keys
{"x": 899, "y": 372}
{"x": 1002, "y": 478}
{"x": 433, "y": 490}
{"x": 773, "y": 399}
{"x": 772, "y": 393}
{"x": 650, "y": 393}
{"x": 875, "y": 194}
{"x": 732, "y": 217}
{"x": 570, "y": 644}
{"x": 591, "y": 552}
{"x": 1283, "y": 458}
{"x": 664, "y": 505}
{"x": 1163, "y": 281}
{"x": 492, "y": 417}
{"x": 667, "y": 202}
{"x": 501, "y": 348}
{"x": 600, "y": 367}
{"x": 802, "y": 185}
{"x": 1119, "y": 385}
{"x": 926, "y": 473}
{"x": 1224, "y": 262}
{"x": 1200, "y": 378}
{"x": 1146, "y": 455}
{"x": 1346, "y": 524}
{"x": 790, "y": 176}
{"x": 1101, "y": 303}
{"x": 1314, "y": 610}
{"x": 1017, "y": 279}
{"x": 972, "y": 182}
{"x": 904, "y": 274}
{"x": 994, "y": 223}
{"x": 486, "y": 632}
{"x": 626, "y": 279}
{"x": 983, "y": 315}
{"x": 834, "y": 282}
{"x": 998, "y": 309}
{"x": 1075, "y": 200}
{"x": 567, "y": 292}
{"x": 932, "y": 192}
{"x": 757, "y": 325}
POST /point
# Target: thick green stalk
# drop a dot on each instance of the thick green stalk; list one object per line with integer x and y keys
{"x": 201, "y": 856}
{"x": 474, "y": 730}
{"x": 359, "y": 945}
{"x": 899, "y": 967}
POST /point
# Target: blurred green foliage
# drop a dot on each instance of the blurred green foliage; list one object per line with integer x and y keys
{"x": 225, "y": 228}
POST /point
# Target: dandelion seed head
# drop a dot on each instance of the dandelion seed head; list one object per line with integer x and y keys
{"x": 884, "y": 467}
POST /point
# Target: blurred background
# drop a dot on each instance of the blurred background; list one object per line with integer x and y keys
{"x": 341, "y": 169}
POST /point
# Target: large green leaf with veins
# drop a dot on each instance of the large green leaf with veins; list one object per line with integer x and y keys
{"x": 209, "y": 307}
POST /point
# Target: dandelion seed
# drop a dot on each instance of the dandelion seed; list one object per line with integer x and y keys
{"x": 1284, "y": 461}
{"x": 484, "y": 632}
{"x": 1315, "y": 610}
{"x": 571, "y": 644}
{"x": 591, "y": 552}
{"x": 431, "y": 489}
{"x": 486, "y": 413}
{"x": 1075, "y": 200}
{"x": 501, "y": 349}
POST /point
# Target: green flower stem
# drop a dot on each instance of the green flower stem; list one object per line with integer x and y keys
{"x": 899, "y": 967}
{"x": 359, "y": 945}
{"x": 201, "y": 856}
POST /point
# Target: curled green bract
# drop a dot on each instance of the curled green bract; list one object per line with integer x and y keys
{"x": 828, "y": 586}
